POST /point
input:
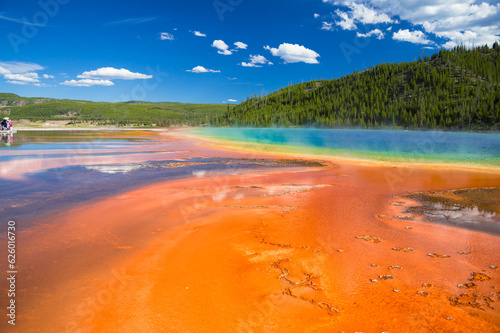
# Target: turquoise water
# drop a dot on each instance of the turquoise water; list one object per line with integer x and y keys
{"x": 469, "y": 148}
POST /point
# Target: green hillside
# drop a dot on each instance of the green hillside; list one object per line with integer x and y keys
{"x": 452, "y": 89}
{"x": 122, "y": 114}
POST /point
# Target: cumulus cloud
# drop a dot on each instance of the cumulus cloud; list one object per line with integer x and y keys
{"x": 358, "y": 13}
{"x": 87, "y": 83}
{"x": 201, "y": 69}
{"x": 21, "y": 73}
{"x": 199, "y": 34}
{"x": 110, "y": 73}
{"x": 240, "y": 45}
{"x": 416, "y": 37}
{"x": 346, "y": 22}
{"x": 294, "y": 53}
{"x": 376, "y": 32}
{"x": 256, "y": 61}
{"x": 222, "y": 47}
{"x": 23, "y": 77}
{"x": 468, "y": 22}
{"x": 42, "y": 85}
{"x": 17, "y": 82}
{"x": 232, "y": 100}
{"x": 328, "y": 26}
{"x": 316, "y": 15}
{"x": 47, "y": 76}
{"x": 367, "y": 15}
{"x": 166, "y": 36}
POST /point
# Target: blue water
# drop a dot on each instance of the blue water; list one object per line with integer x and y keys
{"x": 465, "y": 147}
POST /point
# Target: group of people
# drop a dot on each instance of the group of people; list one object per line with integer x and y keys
{"x": 6, "y": 124}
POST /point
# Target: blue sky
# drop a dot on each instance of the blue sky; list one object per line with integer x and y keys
{"x": 216, "y": 51}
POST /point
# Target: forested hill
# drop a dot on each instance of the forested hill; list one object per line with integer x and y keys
{"x": 452, "y": 89}
{"x": 122, "y": 114}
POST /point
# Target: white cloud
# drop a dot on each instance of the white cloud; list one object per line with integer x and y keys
{"x": 47, "y": 76}
{"x": 316, "y": 15}
{"x": 23, "y": 77}
{"x": 87, "y": 83}
{"x": 366, "y": 15}
{"x": 328, "y": 26}
{"x": 20, "y": 67}
{"x": 42, "y": 85}
{"x": 110, "y": 73}
{"x": 166, "y": 36}
{"x": 347, "y": 22}
{"x": 478, "y": 36}
{"x": 256, "y": 61}
{"x": 232, "y": 78}
{"x": 17, "y": 82}
{"x": 240, "y": 45}
{"x": 21, "y": 73}
{"x": 416, "y": 37}
{"x": 201, "y": 69}
{"x": 232, "y": 100}
{"x": 358, "y": 13}
{"x": 4, "y": 71}
{"x": 199, "y": 34}
{"x": 294, "y": 53}
{"x": 377, "y": 32}
{"x": 223, "y": 47}
{"x": 468, "y": 22}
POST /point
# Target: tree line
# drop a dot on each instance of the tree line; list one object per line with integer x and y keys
{"x": 452, "y": 89}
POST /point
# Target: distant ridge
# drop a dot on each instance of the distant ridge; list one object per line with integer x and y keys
{"x": 452, "y": 89}
{"x": 135, "y": 113}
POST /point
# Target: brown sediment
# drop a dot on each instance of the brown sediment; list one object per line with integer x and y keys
{"x": 229, "y": 254}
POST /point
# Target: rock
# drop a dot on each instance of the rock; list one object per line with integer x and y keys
{"x": 369, "y": 238}
{"x": 435, "y": 255}
{"x": 404, "y": 249}
{"x": 476, "y": 276}
{"x": 467, "y": 285}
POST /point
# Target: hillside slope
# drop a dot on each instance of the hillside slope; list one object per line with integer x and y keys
{"x": 453, "y": 89}
{"x": 128, "y": 113}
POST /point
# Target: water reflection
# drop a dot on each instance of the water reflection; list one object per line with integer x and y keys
{"x": 49, "y": 191}
{"x": 8, "y": 138}
{"x": 477, "y": 209}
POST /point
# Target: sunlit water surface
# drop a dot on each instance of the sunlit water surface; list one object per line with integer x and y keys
{"x": 72, "y": 167}
{"x": 404, "y": 146}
